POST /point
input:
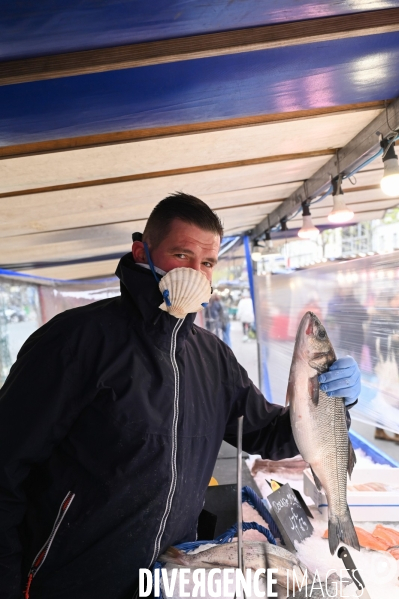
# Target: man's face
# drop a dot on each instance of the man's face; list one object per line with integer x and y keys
{"x": 187, "y": 246}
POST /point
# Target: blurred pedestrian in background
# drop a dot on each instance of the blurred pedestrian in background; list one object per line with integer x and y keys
{"x": 245, "y": 313}
{"x": 348, "y": 315}
{"x": 383, "y": 344}
{"x": 217, "y": 319}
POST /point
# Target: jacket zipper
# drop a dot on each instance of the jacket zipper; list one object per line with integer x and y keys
{"x": 172, "y": 488}
{"x": 41, "y": 556}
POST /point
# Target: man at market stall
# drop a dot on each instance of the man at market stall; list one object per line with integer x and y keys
{"x": 112, "y": 417}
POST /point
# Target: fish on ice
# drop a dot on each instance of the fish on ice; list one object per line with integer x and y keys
{"x": 257, "y": 554}
{"x": 367, "y": 540}
{"x": 288, "y": 468}
{"x": 319, "y": 427}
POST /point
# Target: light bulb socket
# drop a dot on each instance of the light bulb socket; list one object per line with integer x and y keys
{"x": 305, "y": 209}
{"x": 390, "y": 153}
{"x": 283, "y": 223}
{"x": 256, "y": 253}
{"x": 390, "y": 181}
{"x": 337, "y": 186}
{"x": 268, "y": 239}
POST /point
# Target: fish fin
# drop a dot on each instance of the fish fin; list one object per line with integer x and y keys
{"x": 342, "y": 529}
{"x": 351, "y": 458}
{"x": 174, "y": 556}
{"x": 316, "y": 480}
{"x": 313, "y": 389}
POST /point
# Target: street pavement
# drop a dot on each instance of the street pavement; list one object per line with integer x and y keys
{"x": 246, "y": 352}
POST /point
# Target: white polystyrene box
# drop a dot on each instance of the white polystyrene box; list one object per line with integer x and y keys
{"x": 378, "y": 506}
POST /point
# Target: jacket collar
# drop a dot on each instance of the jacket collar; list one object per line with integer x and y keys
{"x": 140, "y": 286}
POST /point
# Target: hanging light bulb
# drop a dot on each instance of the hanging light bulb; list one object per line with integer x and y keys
{"x": 308, "y": 230}
{"x": 340, "y": 213}
{"x": 390, "y": 180}
{"x": 256, "y": 254}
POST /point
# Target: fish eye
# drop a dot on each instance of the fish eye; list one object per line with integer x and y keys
{"x": 321, "y": 334}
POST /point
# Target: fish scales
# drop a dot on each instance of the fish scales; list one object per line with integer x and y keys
{"x": 319, "y": 426}
{"x": 334, "y": 458}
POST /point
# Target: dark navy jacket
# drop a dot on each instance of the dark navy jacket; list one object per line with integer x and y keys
{"x": 110, "y": 424}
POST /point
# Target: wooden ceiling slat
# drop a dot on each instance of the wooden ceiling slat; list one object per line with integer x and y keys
{"x": 357, "y": 197}
{"x": 85, "y": 270}
{"x": 364, "y": 179}
{"x": 121, "y": 137}
{"x": 84, "y": 242}
{"x": 127, "y": 201}
{"x": 123, "y": 202}
{"x": 173, "y": 172}
{"x": 188, "y": 151}
{"x": 199, "y": 46}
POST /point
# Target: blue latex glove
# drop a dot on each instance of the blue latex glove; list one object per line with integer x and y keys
{"x": 342, "y": 380}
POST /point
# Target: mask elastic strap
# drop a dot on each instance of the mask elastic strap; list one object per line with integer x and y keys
{"x": 205, "y": 304}
{"x": 150, "y": 262}
{"x": 165, "y": 294}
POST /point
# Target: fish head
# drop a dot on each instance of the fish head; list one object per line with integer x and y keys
{"x": 313, "y": 345}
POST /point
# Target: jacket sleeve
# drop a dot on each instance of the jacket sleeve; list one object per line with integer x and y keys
{"x": 267, "y": 427}
{"x": 38, "y": 403}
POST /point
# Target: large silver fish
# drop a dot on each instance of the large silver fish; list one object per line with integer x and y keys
{"x": 257, "y": 555}
{"x": 319, "y": 427}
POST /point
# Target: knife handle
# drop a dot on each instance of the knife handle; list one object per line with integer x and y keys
{"x": 349, "y": 564}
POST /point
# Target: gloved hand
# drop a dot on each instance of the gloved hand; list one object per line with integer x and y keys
{"x": 342, "y": 380}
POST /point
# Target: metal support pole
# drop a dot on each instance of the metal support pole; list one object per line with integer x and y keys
{"x": 241, "y": 563}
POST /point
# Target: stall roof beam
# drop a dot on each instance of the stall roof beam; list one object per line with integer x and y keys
{"x": 363, "y": 145}
{"x": 199, "y": 46}
{"x": 137, "y": 135}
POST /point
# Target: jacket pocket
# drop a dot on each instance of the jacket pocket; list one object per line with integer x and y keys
{"x": 41, "y": 556}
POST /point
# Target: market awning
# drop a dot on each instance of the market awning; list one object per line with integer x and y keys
{"x": 273, "y": 93}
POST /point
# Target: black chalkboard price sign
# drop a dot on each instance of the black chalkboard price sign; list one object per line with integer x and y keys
{"x": 289, "y": 516}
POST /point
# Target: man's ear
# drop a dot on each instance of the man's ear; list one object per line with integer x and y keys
{"x": 139, "y": 253}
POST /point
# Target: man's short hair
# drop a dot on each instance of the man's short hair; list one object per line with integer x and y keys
{"x": 185, "y": 207}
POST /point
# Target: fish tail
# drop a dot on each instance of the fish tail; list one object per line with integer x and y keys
{"x": 174, "y": 556}
{"x": 342, "y": 529}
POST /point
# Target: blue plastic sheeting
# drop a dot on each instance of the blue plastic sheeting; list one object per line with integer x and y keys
{"x": 270, "y": 81}
{"x": 52, "y": 26}
{"x": 378, "y": 456}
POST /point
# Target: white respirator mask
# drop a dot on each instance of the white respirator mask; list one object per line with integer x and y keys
{"x": 184, "y": 290}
